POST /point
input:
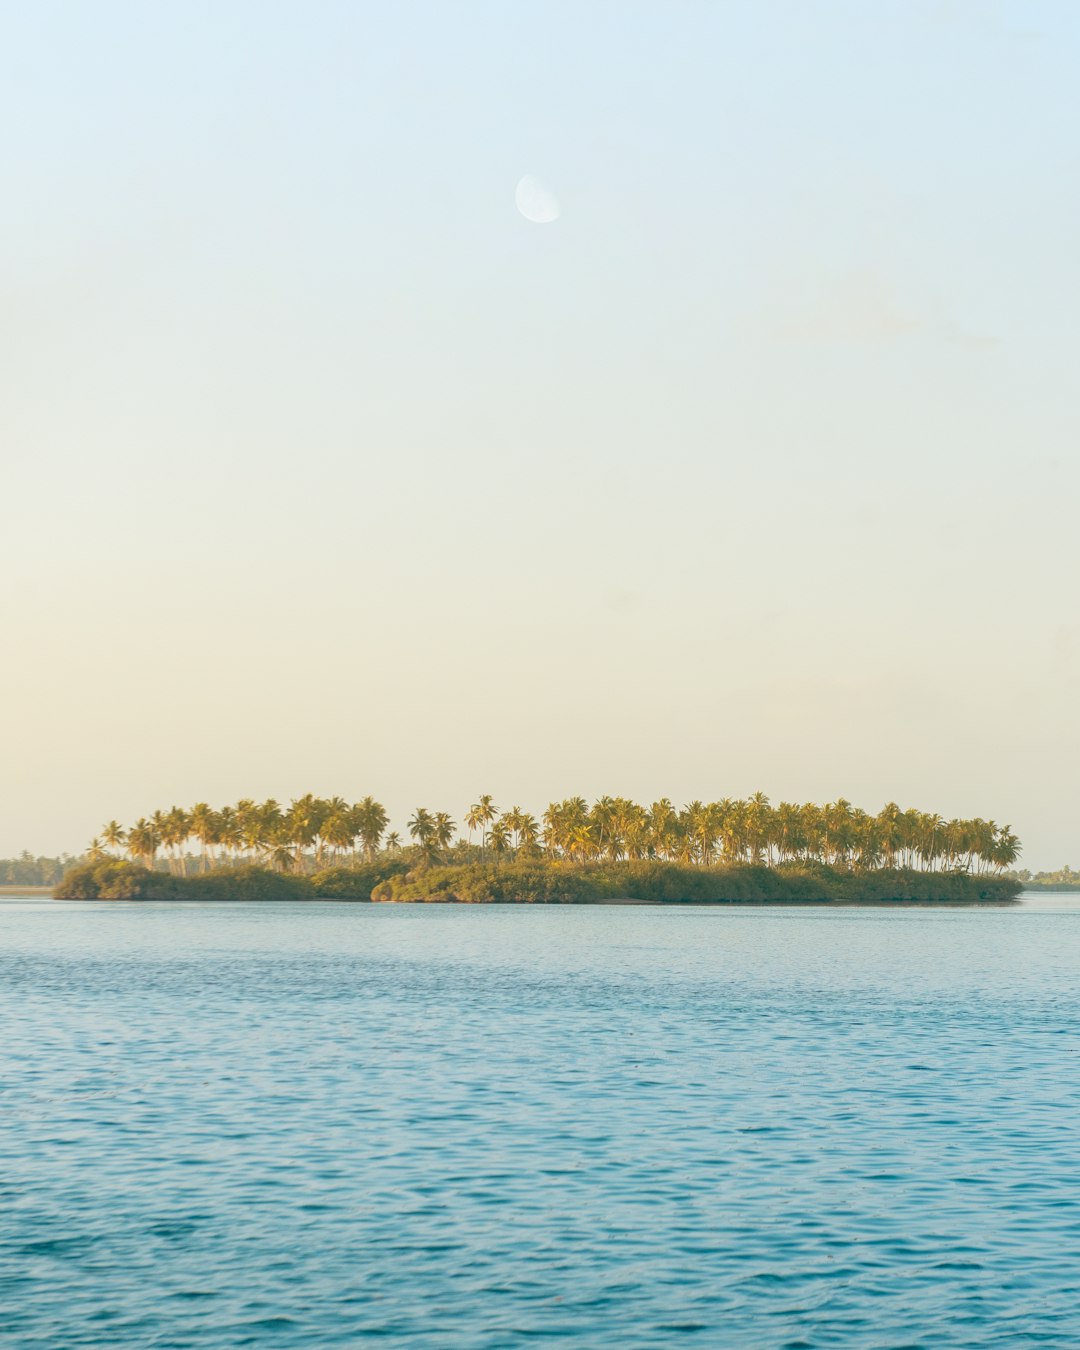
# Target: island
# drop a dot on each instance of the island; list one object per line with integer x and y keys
{"x": 732, "y": 851}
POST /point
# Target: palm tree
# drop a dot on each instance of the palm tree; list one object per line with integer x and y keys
{"x": 338, "y": 831}
{"x": 280, "y": 857}
{"x": 890, "y": 832}
{"x": 931, "y": 840}
{"x": 1005, "y": 849}
{"x": 758, "y": 822}
{"x": 499, "y": 837}
{"x": 249, "y": 827}
{"x": 701, "y": 827}
{"x": 229, "y": 836}
{"x": 603, "y": 819}
{"x": 474, "y": 819}
{"x": 480, "y": 816}
{"x": 371, "y": 820}
{"x": 513, "y": 821}
{"x": 422, "y": 829}
{"x": 553, "y": 828}
{"x": 113, "y": 835}
{"x": 662, "y": 823}
{"x": 528, "y": 835}
{"x": 142, "y": 842}
{"x": 837, "y": 834}
{"x": 788, "y": 836}
{"x": 335, "y": 809}
{"x": 268, "y": 828}
{"x": 583, "y": 842}
{"x": 174, "y": 830}
{"x": 442, "y": 831}
{"x": 304, "y": 819}
{"x": 204, "y": 828}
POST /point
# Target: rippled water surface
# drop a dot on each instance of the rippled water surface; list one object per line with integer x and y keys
{"x": 235, "y": 1125}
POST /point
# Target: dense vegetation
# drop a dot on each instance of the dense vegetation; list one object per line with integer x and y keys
{"x": 1064, "y": 879}
{"x": 26, "y": 870}
{"x": 117, "y": 879}
{"x": 538, "y": 881}
{"x": 543, "y": 882}
{"x": 614, "y": 849}
{"x": 313, "y": 833}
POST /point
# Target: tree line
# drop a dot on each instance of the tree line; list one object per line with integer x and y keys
{"x": 313, "y": 833}
{"x": 28, "y": 870}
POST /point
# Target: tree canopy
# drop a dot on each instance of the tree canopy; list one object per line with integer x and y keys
{"x": 313, "y": 833}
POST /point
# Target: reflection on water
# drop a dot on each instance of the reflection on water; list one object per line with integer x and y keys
{"x": 296, "y": 1126}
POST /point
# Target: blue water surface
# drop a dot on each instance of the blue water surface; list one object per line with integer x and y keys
{"x": 323, "y": 1124}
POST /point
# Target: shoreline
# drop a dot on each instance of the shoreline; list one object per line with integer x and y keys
{"x": 786, "y": 903}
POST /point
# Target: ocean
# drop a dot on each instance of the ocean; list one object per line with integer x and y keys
{"x": 323, "y": 1124}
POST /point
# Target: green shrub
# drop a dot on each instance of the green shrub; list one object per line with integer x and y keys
{"x": 240, "y": 883}
{"x": 663, "y": 882}
{"x": 111, "y": 879}
{"x": 543, "y": 882}
{"x": 356, "y": 883}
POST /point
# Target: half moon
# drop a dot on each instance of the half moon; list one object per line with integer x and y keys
{"x": 535, "y": 202}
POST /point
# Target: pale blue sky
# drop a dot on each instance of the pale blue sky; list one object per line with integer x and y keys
{"x": 324, "y": 470}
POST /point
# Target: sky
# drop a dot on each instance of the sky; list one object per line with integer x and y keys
{"x": 322, "y": 469}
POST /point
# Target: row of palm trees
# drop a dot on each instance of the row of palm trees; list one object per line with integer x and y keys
{"x": 314, "y": 832}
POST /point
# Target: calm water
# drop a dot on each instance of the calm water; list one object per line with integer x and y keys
{"x": 452, "y": 1127}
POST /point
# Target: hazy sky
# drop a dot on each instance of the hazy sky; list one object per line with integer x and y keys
{"x": 324, "y": 470}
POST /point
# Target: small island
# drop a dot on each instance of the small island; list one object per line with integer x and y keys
{"x": 725, "y": 852}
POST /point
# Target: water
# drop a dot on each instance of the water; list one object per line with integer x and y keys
{"x": 482, "y": 1127}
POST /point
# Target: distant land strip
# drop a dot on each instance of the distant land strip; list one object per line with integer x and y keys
{"x": 540, "y": 881}
{"x": 727, "y": 851}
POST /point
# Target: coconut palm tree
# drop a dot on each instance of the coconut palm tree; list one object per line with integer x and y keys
{"x": 303, "y": 819}
{"x": 338, "y": 831}
{"x": 583, "y": 843}
{"x": 204, "y": 828}
{"x": 662, "y": 823}
{"x": 753, "y": 831}
{"x": 280, "y": 857}
{"x": 249, "y": 827}
{"x": 174, "y": 829}
{"x": 474, "y": 820}
{"x": 758, "y": 817}
{"x": 443, "y": 830}
{"x": 370, "y": 820}
{"x": 1005, "y": 849}
{"x": 528, "y": 833}
{"x": 499, "y": 837}
{"x": 479, "y": 817}
{"x": 513, "y": 820}
{"x": 142, "y": 842}
{"x": 113, "y": 835}
{"x": 269, "y": 825}
{"x": 422, "y": 829}
{"x": 701, "y": 827}
{"x": 553, "y": 829}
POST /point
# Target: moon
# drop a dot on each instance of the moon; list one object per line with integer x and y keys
{"x": 535, "y": 202}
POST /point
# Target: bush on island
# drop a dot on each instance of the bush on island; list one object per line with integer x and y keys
{"x": 355, "y": 883}
{"x": 112, "y": 879}
{"x": 119, "y": 880}
{"x": 663, "y": 882}
{"x": 543, "y": 882}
